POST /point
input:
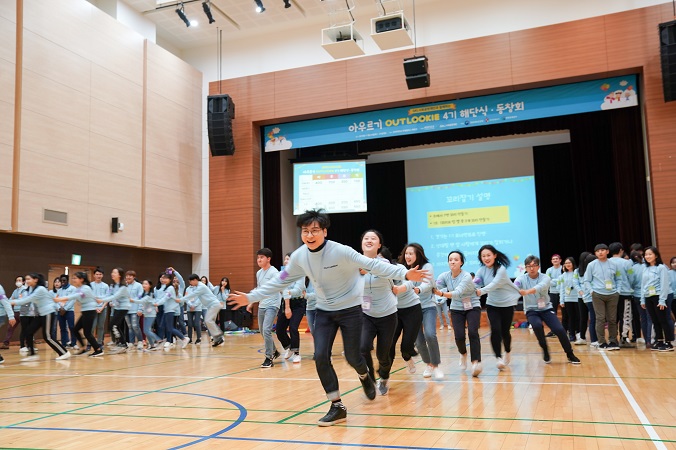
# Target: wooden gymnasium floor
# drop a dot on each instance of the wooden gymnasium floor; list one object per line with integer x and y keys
{"x": 201, "y": 398}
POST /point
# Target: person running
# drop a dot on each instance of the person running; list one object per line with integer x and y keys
{"x": 200, "y": 291}
{"x": 289, "y": 318}
{"x": 379, "y": 308}
{"x": 118, "y": 297}
{"x": 333, "y": 269}
{"x": 456, "y": 285}
{"x": 38, "y": 294}
{"x": 534, "y": 286}
{"x": 85, "y": 296}
{"x": 492, "y": 278}
{"x": 655, "y": 293}
{"x": 267, "y": 307}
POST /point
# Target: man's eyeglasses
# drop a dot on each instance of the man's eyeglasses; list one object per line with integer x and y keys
{"x": 532, "y": 266}
{"x": 312, "y": 232}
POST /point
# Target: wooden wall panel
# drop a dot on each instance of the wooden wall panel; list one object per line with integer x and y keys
{"x": 566, "y": 50}
{"x": 616, "y": 43}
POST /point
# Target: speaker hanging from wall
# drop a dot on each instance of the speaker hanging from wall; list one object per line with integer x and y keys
{"x": 668, "y": 59}
{"x": 220, "y": 112}
{"x": 416, "y": 72}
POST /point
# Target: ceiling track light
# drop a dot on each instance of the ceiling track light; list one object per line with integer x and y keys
{"x": 207, "y": 11}
{"x": 259, "y": 6}
{"x": 181, "y": 14}
{"x": 287, "y": 3}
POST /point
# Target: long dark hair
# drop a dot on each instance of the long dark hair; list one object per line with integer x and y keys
{"x": 501, "y": 260}
{"x": 220, "y": 285}
{"x": 120, "y": 270}
{"x": 82, "y": 276}
{"x": 585, "y": 262}
{"x": 572, "y": 261}
{"x": 420, "y": 258}
{"x": 40, "y": 277}
{"x": 658, "y": 257}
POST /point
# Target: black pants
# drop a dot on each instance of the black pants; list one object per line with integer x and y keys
{"x": 584, "y": 317}
{"x": 500, "y": 318}
{"x": 572, "y": 318}
{"x": 117, "y": 324}
{"x": 548, "y": 316}
{"x": 44, "y": 322}
{"x": 471, "y": 318}
{"x": 660, "y": 318}
{"x": 409, "y": 321}
{"x": 382, "y": 329}
{"x": 556, "y": 301}
{"x": 26, "y": 322}
{"x": 292, "y": 338}
{"x": 85, "y": 323}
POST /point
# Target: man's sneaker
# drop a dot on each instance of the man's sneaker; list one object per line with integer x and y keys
{"x": 368, "y": 385}
{"x": 550, "y": 334}
{"x": 508, "y": 358}
{"x": 463, "y": 361}
{"x": 476, "y": 368}
{"x": 411, "y": 365}
{"x": 139, "y": 346}
{"x": 612, "y": 346}
{"x": 626, "y": 344}
{"x": 64, "y": 356}
{"x": 287, "y": 353}
{"x": 500, "y": 364}
{"x": 662, "y": 347}
{"x": 23, "y": 351}
{"x": 437, "y": 373}
{"x": 185, "y": 342}
{"x": 217, "y": 342}
{"x": 594, "y": 344}
{"x": 295, "y": 358}
{"x": 167, "y": 344}
{"x": 546, "y": 356}
{"x": 580, "y": 341}
{"x": 573, "y": 359}
{"x": 30, "y": 358}
{"x": 198, "y": 341}
{"x": 603, "y": 346}
{"x": 382, "y": 386}
{"x": 267, "y": 363}
{"x": 275, "y": 355}
{"x": 337, "y": 413}
{"x": 119, "y": 349}
{"x": 654, "y": 346}
{"x": 96, "y": 353}
{"x": 670, "y": 347}
{"x": 428, "y": 372}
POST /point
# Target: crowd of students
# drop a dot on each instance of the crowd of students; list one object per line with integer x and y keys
{"x": 142, "y": 315}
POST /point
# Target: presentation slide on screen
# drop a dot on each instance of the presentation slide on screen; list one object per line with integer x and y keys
{"x": 465, "y": 216}
{"x": 336, "y": 186}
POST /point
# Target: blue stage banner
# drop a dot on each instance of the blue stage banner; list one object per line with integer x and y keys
{"x": 587, "y": 96}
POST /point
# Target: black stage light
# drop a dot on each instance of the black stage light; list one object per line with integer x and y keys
{"x": 259, "y": 6}
{"x": 207, "y": 11}
{"x": 181, "y": 14}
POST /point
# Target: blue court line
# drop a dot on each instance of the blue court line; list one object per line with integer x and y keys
{"x": 228, "y": 438}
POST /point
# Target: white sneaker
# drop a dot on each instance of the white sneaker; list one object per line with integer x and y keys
{"x": 580, "y": 342}
{"x": 441, "y": 327}
{"x": 184, "y": 342}
{"x": 449, "y": 328}
{"x": 437, "y": 373}
{"x": 139, "y": 347}
{"x": 110, "y": 344}
{"x": 640, "y": 341}
{"x": 167, "y": 344}
{"x": 30, "y": 358}
{"x": 411, "y": 365}
{"x": 500, "y": 364}
{"x": 594, "y": 344}
{"x": 295, "y": 358}
{"x": 64, "y": 356}
{"x": 428, "y": 372}
{"x": 476, "y": 368}
{"x": 508, "y": 358}
{"x": 287, "y": 353}
{"x": 76, "y": 347}
{"x": 577, "y": 336}
{"x": 463, "y": 361}
{"x": 23, "y": 351}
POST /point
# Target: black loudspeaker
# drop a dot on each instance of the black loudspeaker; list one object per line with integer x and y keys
{"x": 416, "y": 72}
{"x": 668, "y": 59}
{"x": 220, "y": 112}
{"x": 393, "y": 23}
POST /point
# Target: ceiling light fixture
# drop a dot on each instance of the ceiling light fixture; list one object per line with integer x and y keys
{"x": 259, "y": 6}
{"x": 207, "y": 11}
{"x": 181, "y": 14}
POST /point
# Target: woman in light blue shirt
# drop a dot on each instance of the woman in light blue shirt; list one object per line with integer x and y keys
{"x": 83, "y": 293}
{"x": 147, "y": 308}
{"x": 569, "y": 290}
{"x": 379, "y": 309}
{"x": 655, "y": 292}
{"x": 492, "y": 278}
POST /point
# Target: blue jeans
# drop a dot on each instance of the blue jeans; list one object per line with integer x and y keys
{"x": 66, "y": 325}
{"x": 427, "y": 343}
{"x": 266, "y": 317}
{"x": 646, "y": 322}
{"x": 310, "y": 314}
{"x": 327, "y": 324}
{"x": 442, "y": 312}
{"x": 148, "y": 331}
{"x": 195, "y": 323}
{"x": 592, "y": 322}
{"x": 134, "y": 328}
{"x": 170, "y": 327}
{"x": 159, "y": 319}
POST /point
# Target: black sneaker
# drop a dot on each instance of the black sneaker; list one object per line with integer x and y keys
{"x": 217, "y": 342}
{"x": 613, "y": 346}
{"x": 603, "y": 346}
{"x": 654, "y": 346}
{"x": 369, "y": 386}
{"x": 198, "y": 341}
{"x": 337, "y": 413}
{"x": 662, "y": 347}
{"x": 670, "y": 347}
{"x": 275, "y": 355}
{"x": 546, "y": 357}
{"x": 2, "y": 360}
{"x": 267, "y": 363}
{"x": 574, "y": 359}
{"x": 550, "y": 334}
{"x": 96, "y": 353}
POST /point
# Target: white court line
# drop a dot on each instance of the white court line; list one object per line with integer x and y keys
{"x": 637, "y": 409}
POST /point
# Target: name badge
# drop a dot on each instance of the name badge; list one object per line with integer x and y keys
{"x": 568, "y": 290}
{"x": 609, "y": 285}
{"x": 542, "y": 303}
{"x": 467, "y": 303}
{"x": 366, "y": 303}
{"x": 652, "y": 291}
